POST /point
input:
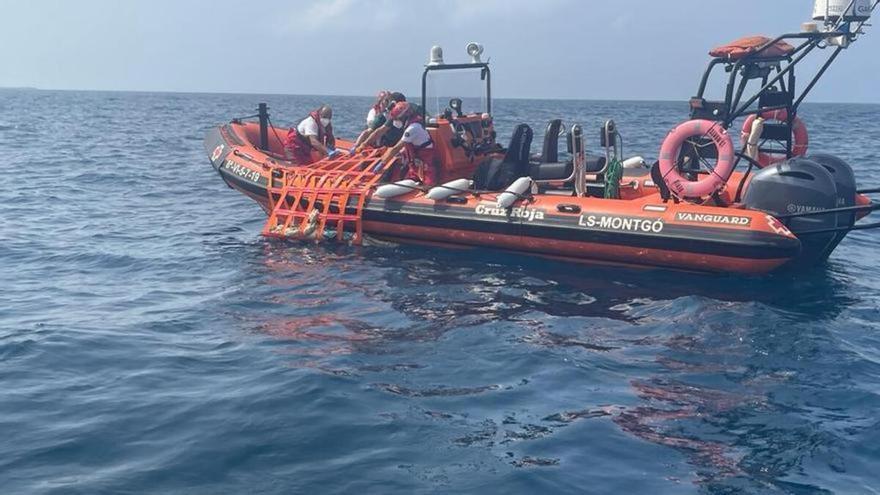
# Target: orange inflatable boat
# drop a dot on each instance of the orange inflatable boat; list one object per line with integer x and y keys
{"x": 706, "y": 205}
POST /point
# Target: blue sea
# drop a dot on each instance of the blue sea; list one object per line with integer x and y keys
{"x": 152, "y": 342}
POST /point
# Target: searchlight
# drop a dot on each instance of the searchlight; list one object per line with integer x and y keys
{"x": 474, "y": 50}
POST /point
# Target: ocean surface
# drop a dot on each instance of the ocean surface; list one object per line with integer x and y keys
{"x": 152, "y": 342}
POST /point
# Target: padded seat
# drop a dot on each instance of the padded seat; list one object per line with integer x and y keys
{"x": 497, "y": 174}
{"x": 550, "y": 149}
{"x": 562, "y": 170}
{"x": 594, "y": 164}
{"x": 551, "y": 171}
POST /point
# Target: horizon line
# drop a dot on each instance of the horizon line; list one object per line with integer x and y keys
{"x": 494, "y": 97}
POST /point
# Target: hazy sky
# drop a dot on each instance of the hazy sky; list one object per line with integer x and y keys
{"x": 590, "y": 49}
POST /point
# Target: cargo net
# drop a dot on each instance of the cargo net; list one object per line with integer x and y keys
{"x": 323, "y": 200}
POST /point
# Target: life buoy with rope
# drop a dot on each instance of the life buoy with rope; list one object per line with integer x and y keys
{"x": 671, "y": 149}
{"x": 798, "y": 130}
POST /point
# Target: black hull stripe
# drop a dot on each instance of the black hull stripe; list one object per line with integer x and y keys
{"x": 750, "y": 245}
{"x": 677, "y": 238}
{"x": 244, "y": 185}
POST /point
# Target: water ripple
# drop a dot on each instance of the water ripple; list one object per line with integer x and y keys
{"x": 152, "y": 341}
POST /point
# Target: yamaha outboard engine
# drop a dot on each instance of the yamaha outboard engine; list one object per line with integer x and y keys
{"x": 845, "y": 180}
{"x": 793, "y": 187}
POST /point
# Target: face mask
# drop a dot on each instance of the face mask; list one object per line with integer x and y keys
{"x": 325, "y": 121}
{"x": 398, "y": 124}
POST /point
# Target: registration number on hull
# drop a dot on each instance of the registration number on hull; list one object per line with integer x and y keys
{"x": 621, "y": 224}
{"x": 242, "y": 171}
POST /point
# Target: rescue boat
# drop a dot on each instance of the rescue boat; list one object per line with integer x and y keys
{"x": 703, "y": 206}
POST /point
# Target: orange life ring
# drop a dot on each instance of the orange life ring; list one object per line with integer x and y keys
{"x": 798, "y": 130}
{"x": 671, "y": 148}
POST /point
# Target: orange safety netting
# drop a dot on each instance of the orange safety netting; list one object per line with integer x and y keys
{"x": 332, "y": 190}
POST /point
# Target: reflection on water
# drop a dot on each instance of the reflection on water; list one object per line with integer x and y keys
{"x": 681, "y": 361}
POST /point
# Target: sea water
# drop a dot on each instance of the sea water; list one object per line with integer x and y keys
{"x": 152, "y": 341}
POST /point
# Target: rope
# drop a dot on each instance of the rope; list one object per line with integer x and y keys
{"x": 612, "y": 179}
{"x": 752, "y": 163}
{"x": 275, "y": 131}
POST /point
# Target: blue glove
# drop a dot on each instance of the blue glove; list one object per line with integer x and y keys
{"x": 331, "y": 152}
{"x": 379, "y": 166}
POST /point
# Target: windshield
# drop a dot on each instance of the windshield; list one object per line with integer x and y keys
{"x": 464, "y": 84}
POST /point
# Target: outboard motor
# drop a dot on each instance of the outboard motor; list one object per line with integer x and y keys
{"x": 845, "y": 180}
{"x": 798, "y": 186}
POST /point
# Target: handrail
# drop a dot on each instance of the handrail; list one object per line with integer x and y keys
{"x": 579, "y": 159}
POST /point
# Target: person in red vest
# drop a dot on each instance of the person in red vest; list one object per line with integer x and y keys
{"x": 416, "y": 145}
{"x": 380, "y": 131}
{"x": 314, "y": 133}
{"x": 376, "y": 117}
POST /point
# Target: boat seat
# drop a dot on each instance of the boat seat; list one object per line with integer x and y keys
{"x": 550, "y": 149}
{"x": 594, "y": 164}
{"x": 660, "y": 182}
{"x": 563, "y": 170}
{"x": 551, "y": 171}
{"x": 496, "y": 174}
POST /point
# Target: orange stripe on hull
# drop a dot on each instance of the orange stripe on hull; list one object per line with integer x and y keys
{"x": 576, "y": 251}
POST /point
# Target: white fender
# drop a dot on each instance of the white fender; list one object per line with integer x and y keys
{"x": 753, "y": 138}
{"x": 798, "y": 130}
{"x": 440, "y": 193}
{"x": 398, "y": 188}
{"x": 513, "y": 193}
{"x": 635, "y": 162}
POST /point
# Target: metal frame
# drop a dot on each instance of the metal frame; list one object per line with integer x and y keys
{"x": 484, "y": 66}
{"x": 610, "y": 140}
{"x": 579, "y": 158}
{"x": 741, "y": 71}
{"x": 777, "y": 75}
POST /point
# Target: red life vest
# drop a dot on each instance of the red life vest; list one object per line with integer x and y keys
{"x": 424, "y": 172}
{"x": 300, "y": 147}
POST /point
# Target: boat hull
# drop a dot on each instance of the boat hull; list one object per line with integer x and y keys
{"x": 601, "y": 234}
{"x": 639, "y": 232}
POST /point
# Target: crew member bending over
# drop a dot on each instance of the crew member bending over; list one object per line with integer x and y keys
{"x": 418, "y": 155}
{"x": 376, "y": 117}
{"x": 314, "y": 133}
{"x": 382, "y": 131}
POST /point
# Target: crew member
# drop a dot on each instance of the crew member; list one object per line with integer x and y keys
{"x": 419, "y": 155}
{"x": 382, "y": 132}
{"x": 376, "y": 117}
{"x": 379, "y": 111}
{"x": 314, "y": 133}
